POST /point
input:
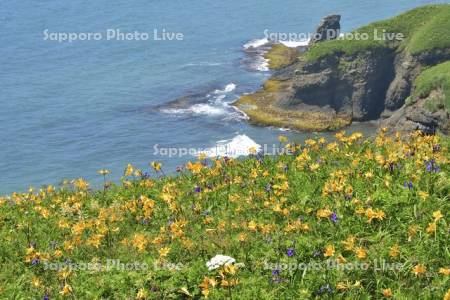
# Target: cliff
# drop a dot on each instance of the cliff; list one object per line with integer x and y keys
{"x": 366, "y": 75}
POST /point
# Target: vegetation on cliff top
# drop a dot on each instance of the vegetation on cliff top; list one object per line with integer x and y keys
{"x": 424, "y": 28}
{"x": 434, "y": 78}
{"x": 347, "y": 219}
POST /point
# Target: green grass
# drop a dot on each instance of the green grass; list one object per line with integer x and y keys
{"x": 424, "y": 28}
{"x": 434, "y": 34}
{"x": 364, "y": 203}
{"x": 434, "y": 78}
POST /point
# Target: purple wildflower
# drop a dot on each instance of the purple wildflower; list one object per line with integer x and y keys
{"x": 325, "y": 289}
{"x": 276, "y": 276}
{"x": 290, "y": 252}
{"x": 432, "y": 167}
{"x": 408, "y": 185}
{"x": 334, "y": 218}
{"x": 198, "y": 189}
{"x": 35, "y": 261}
{"x": 46, "y": 297}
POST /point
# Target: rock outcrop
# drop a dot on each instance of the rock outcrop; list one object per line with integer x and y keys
{"x": 328, "y": 29}
{"x": 337, "y": 82}
{"x": 418, "y": 117}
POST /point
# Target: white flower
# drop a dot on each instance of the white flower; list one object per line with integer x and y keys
{"x": 219, "y": 261}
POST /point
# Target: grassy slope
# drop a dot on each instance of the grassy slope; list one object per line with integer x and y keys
{"x": 253, "y": 210}
{"x": 437, "y": 77}
{"x": 424, "y": 28}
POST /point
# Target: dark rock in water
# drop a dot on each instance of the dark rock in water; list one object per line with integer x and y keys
{"x": 184, "y": 101}
{"x": 328, "y": 29}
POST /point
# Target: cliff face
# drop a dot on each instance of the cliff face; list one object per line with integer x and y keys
{"x": 427, "y": 108}
{"x": 352, "y": 86}
{"x": 337, "y": 82}
{"x": 419, "y": 116}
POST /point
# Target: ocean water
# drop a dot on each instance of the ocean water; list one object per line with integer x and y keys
{"x": 69, "y": 109}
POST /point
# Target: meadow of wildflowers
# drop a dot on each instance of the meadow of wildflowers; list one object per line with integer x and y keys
{"x": 344, "y": 219}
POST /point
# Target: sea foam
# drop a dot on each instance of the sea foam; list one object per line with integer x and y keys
{"x": 240, "y": 145}
{"x": 228, "y": 89}
{"x": 256, "y": 43}
{"x": 215, "y": 105}
{"x": 296, "y": 44}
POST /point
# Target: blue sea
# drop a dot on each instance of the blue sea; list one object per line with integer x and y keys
{"x": 68, "y": 109}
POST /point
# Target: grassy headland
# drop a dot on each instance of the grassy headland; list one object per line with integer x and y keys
{"x": 348, "y": 218}
{"x": 338, "y": 81}
{"x": 424, "y": 28}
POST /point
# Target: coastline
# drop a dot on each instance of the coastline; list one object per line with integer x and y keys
{"x": 336, "y": 81}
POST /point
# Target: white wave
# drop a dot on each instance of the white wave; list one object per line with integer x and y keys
{"x": 197, "y": 109}
{"x": 240, "y": 145}
{"x": 206, "y": 109}
{"x": 228, "y": 89}
{"x": 218, "y": 99}
{"x": 261, "y": 64}
{"x": 256, "y": 43}
{"x": 239, "y": 114}
{"x": 295, "y": 44}
{"x": 210, "y": 64}
{"x": 215, "y": 105}
{"x": 173, "y": 111}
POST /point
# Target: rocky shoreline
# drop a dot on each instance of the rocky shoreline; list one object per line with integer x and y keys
{"x": 335, "y": 82}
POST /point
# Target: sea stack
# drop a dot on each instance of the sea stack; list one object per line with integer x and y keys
{"x": 328, "y": 29}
